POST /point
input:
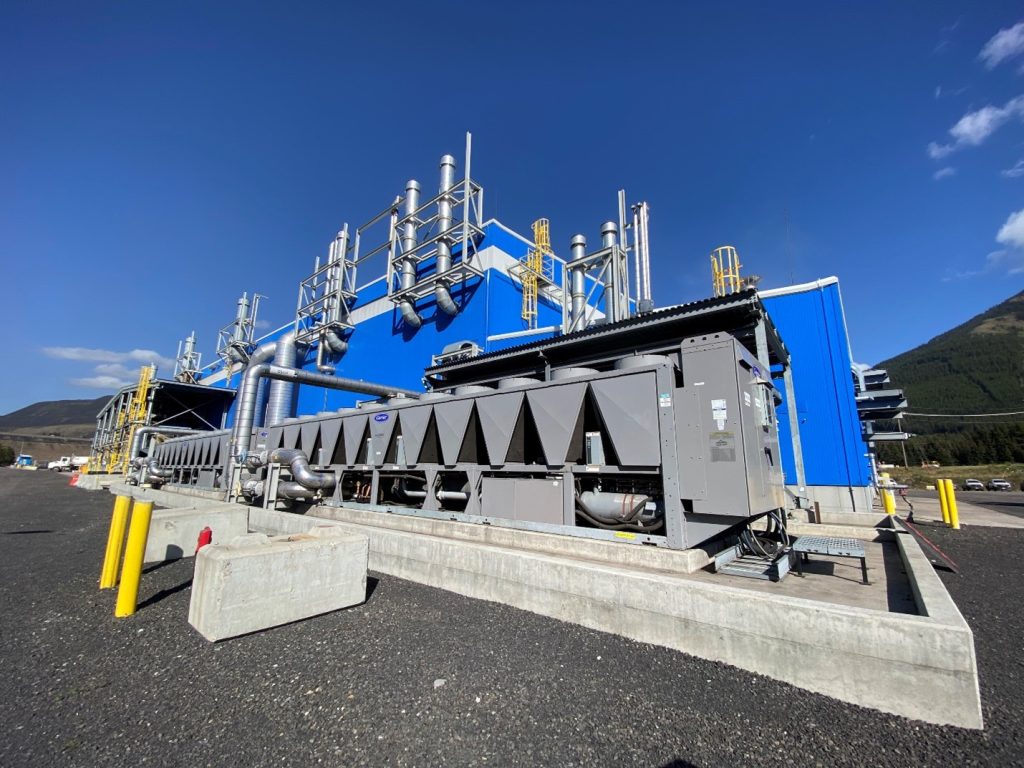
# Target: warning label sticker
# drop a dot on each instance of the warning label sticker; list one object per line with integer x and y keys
{"x": 719, "y": 413}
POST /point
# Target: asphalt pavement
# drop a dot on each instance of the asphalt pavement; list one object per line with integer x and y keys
{"x": 421, "y": 677}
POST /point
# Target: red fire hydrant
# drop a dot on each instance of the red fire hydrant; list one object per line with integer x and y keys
{"x": 205, "y": 537}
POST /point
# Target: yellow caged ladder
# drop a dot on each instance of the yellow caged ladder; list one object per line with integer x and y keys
{"x": 131, "y": 419}
{"x": 535, "y": 268}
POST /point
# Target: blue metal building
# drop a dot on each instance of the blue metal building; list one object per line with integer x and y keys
{"x": 392, "y": 326}
{"x": 837, "y": 469}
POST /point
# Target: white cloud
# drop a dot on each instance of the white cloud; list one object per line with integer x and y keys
{"x": 938, "y": 91}
{"x": 116, "y": 369}
{"x": 101, "y": 382}
{"x": 1015, "y": 172}
{"x": 1008, "y": 260}
{"x": 944, "y": 173}
{"x": 84, "y": 354}
{"x": 1012, "y": 232}
{"x": 262, "y": 325}
{"x": 973, "y": 128}
{"x": 1005, "y": 44}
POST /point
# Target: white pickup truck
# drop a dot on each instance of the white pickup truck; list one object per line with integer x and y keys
{"x": 68, "y": 463}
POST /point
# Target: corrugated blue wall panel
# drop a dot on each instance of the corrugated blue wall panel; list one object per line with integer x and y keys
{"x": 813, "y": 328}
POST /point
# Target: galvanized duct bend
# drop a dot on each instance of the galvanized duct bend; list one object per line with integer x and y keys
{"x": 241, "y": 434}
{"x": 258, "y": 396}
{"x": 298, "y": 462}
{"x": 141, "y": 433}
{"x": 444, "y": 223}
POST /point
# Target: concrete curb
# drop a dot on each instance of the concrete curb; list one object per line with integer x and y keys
{"x": 921, "y": 667}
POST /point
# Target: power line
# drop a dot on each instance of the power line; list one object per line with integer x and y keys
{"x": 964, "y": 415}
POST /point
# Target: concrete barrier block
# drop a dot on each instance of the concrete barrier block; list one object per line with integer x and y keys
{"x": 173, "y": 532}
{"x": 257, "y": 581}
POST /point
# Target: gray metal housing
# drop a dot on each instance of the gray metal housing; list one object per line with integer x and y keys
{"x": 638, "y": 432}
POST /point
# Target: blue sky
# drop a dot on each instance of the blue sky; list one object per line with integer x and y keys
{"x": 156, "y": 159}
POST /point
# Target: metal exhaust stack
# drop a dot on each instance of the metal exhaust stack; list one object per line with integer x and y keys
{"x": 578, "y": 251}
{"x": 408, "y": 278}
{"x": 642, "y": 258}
{"x": 609, "y": 239}
{"x": 444, "y": 223}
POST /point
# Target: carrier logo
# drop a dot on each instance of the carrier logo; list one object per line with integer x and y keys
{"x": 381, "y": 417}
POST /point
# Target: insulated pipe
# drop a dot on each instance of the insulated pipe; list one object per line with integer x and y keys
{"x": 264, "y": 353}
{"x": 281, "y": 402}
{"x": 154, "y": 472}
{"x": 241, "y": 435}
{"x": 334, "y": 342}
{"x": 141, "y": 432}
{"x": 293, "y": 490}
{"x": 578, "y": 251}
{"x": 298, "y": 462}
{"x": 612, "y": 508}
{"x": 444, "y": 223}
{"x": 408, "y": 277}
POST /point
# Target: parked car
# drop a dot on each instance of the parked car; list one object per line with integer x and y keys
{"x": 970, "y": 484}
{"x": 998, "y": 484}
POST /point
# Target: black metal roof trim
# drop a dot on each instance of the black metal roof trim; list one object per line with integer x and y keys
{"x": 741, "y": 299}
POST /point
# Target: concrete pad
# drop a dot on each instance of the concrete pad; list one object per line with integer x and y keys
{"x": 91, "y": 482}
{"x": 164, "y": 498}
{"x": 612, "y": 552}
{"x": 256, "y": 581}
{"x": 852, "y": 531}
{"x": 173, "y": 533}
{"x": 919, "y": 666}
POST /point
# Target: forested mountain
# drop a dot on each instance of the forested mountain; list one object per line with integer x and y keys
{"x": 977, "y": 367}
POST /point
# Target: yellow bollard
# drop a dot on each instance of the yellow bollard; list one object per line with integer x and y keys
{"x": 115, "y": 542}
{"x": 131, "y": 571}
{"x": 940, "y": 484}
{"x": 888, "y": 502}
{"x": 954, "y": 513}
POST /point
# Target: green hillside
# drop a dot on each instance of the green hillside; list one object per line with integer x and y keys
{"x": 977, "y": 367}
{"x": 53, "y": 413}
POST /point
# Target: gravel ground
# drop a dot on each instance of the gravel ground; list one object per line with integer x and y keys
{"x": 363, "y": 686}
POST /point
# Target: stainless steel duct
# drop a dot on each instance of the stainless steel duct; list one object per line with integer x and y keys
{"x": 241, "y": 434}
{"x": 334, "y": 342}
{"x": 408, "y": 277}
{"x": 298, "y": 463}
{"x": 642, "y": 258}
{"x": 281, "y": 402}
{"x": 241, "y": 318}
{"x": 444, "y": 223}
{"x": 578, "y": 251}
{"x": 263, "y": 353}
{"x": 155, "y": 471}
{"x": 141, "y": 433}
{"x": 609, "y": 239}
